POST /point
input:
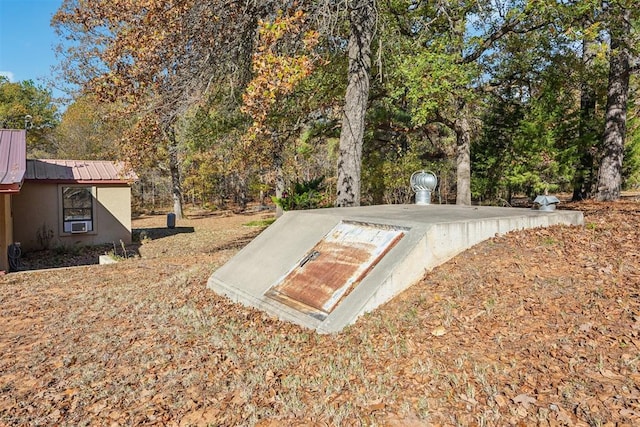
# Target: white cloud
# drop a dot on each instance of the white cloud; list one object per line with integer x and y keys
{"x": 7, "y": 74}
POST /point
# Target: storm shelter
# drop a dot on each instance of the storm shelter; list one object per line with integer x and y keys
{"x": 324, "y": 268}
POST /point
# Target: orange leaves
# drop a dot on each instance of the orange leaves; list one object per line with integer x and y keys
{"x": 277, "y": 69}
{"x": 200, "y": 417}
{"x": 525, "y": 400}
{"x": 272, "y": 31}
{"x": 372, "y": 406}
{"x": 439, "y": 331}
{"x": 275, "y": 76}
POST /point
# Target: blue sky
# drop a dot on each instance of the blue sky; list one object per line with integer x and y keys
{"x": 27, "y": 41}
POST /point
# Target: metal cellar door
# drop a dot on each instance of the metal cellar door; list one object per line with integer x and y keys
{"x": 335, "y": 265}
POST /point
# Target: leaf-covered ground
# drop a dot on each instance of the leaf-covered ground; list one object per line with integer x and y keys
{"x": 537, "y": 327}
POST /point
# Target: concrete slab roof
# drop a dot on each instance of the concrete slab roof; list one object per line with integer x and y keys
{"x": 13, "y": 152}
{"x": 78, "y": 171}
{"x": 293, "y": 269}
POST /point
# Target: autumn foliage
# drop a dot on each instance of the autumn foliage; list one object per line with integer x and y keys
{"x": 277, "y": 68}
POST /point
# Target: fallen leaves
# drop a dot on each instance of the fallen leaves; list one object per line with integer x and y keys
{"x": 439, "y": 331}
{"x": 200, "y": 417}
{"x": 525, "y": 400}
{"x": 374, "y": 406}
{"x": 536, "y": 327}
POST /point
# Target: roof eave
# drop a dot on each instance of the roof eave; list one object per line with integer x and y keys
{"x": 11, "y": 188}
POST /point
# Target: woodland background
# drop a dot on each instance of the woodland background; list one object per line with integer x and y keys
{"x": 315, "y": 103}
{"x": 216, "y": 103}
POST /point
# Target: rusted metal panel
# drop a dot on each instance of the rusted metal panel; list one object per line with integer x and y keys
{"x": 335, "y": 265}
{"x": 13, "y": 151}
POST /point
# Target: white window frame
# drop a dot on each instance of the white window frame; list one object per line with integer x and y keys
{"x": 83, "y": 225}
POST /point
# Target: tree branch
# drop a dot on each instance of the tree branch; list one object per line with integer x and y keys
{"x": 507, "y": 28}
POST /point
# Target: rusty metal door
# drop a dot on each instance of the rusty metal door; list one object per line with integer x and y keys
{"x": 335, "y": 265}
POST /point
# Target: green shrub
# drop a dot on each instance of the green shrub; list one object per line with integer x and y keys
{"x": 306, "y": 195}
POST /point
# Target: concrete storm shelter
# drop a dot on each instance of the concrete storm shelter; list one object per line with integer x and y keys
{"x": 324, "y": 268}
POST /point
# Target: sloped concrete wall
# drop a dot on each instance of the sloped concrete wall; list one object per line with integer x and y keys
{"x": 435, "y": 234}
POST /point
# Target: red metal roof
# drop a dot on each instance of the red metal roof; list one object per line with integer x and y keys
{"x": 13, "y": 155}
{"x": 78, "y": 171}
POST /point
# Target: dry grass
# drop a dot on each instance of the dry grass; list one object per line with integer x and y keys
{"x": 539, "y": 327}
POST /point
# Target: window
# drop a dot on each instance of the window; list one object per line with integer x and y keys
{"x": 77, "y": 209}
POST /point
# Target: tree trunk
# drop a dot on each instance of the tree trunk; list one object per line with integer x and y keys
{"x": 279, "y": 178}
{"x": 463, "y": 159}
{"x": 174, "y": 170}
{"x": 583, "y": 181}
{"x": 362, "y": 24}
{"x": 610, "y": 172}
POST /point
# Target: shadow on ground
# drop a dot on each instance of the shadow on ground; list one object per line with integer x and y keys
{"x": 141, "y": 234}
{"x": 75, "y": 256}
{"x": 90, "y": 255}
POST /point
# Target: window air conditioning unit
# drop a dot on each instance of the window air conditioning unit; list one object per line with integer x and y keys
{"x": 79, "y": 226}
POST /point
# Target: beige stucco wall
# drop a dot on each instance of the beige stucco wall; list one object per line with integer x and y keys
{"x": 37, "y": 213}
{"x": 6, "y": 230}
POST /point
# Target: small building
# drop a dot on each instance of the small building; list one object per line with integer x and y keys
{"x": 62, "y": 203}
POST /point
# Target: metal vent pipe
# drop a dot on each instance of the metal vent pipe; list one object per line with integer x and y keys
{"x": 423, "y": 183}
